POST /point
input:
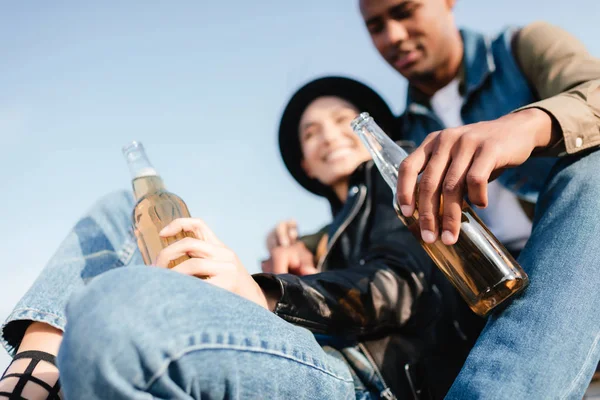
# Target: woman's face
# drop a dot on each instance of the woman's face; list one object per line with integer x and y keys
{"x": 331, "y": 150}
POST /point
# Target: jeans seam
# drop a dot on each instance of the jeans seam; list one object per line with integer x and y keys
{"x": 13, "y": 315}
{"x": 24, "y": 314}
{"x": 126, "y": 251}
{"x": 191, "y": 349}
{"x": 582, "y": 370}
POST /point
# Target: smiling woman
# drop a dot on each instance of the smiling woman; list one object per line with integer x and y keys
{"x": 368, "y": 247}
{"x": 331, "y": 150}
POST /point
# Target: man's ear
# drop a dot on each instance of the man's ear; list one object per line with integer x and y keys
{"x": 306, "y": 169}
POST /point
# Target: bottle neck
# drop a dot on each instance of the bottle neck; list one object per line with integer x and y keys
{"x": 147, "y": 184}
{"x": 386, "y": 154}
{"x": 145, "y": 179}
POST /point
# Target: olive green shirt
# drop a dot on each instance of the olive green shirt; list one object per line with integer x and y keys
{"x": 567, "y": 79}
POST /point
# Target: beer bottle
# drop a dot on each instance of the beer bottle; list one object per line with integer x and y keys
{"x": 155, "y": 206}
{"x": 478, "y": 265}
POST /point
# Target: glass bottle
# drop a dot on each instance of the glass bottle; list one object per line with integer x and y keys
{"x": 155, "y": 207}
{"x": 478, "y": 265}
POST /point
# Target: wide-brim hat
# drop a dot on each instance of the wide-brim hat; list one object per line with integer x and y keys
{"x": 356, "y": 93}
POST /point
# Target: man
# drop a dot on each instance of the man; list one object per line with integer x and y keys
{"x": 539, "y": 91}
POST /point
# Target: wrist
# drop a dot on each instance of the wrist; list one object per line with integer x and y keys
{"x": 545, "y": 130}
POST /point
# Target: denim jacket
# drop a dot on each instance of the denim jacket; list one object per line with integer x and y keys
{"x": 493, "y": 86}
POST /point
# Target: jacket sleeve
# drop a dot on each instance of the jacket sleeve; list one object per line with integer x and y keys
{"x": 567, "y": 80}
{"x": 384, "y": 289}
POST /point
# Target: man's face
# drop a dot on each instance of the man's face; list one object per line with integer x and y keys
{"x": 413, "y": 36}
{"x": 331, "y": 151}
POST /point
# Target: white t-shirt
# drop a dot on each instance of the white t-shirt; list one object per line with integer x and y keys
{"x": 503, "y": 215}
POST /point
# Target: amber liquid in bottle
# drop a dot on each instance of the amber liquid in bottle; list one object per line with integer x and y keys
{"x": 155, "y": 208}
{"x": 478, "y": 265}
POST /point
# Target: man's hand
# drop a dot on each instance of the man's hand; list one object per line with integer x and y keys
{"x": 460, "y": 161}
{"x": 211, "y": 260}
{"x": 295, "y": 259}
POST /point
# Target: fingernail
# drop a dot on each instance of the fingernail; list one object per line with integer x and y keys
{"x": 447, "y": 237}
{"x": 407, "y": 211}
{"x": 162, "y": 231}
{"x": 428, "y": 236}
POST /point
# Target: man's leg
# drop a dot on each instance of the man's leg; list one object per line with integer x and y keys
{"x": 138, "y": 332}
{"x": 544, "y": 345}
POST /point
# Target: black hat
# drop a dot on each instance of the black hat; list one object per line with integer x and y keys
{"x": 358, "y": 94}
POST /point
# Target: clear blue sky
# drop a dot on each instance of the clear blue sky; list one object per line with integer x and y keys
{"x": 202, "y": 85}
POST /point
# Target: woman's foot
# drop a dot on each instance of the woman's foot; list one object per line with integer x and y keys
{"x": 31, "y": 375}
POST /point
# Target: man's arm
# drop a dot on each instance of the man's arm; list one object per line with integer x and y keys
{"x": 462, "y": 160}
{"x": 567, "y": 79}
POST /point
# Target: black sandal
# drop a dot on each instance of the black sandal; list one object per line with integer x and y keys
{"x": 26, "y": 376}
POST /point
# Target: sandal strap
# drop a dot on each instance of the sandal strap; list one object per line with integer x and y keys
{"x": 35, "y": 356}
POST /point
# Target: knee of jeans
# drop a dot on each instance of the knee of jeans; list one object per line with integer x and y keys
{"x": 124, "y": 300}
{"x": 577, "y": 177}
{"x": 107, "y": 304}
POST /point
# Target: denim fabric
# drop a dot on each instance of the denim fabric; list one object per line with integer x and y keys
{"x": 102, "y": 240}
{"x": 139, "y": 332}
{"x": 544, "y": 345}
{"x": 493, "y": 86}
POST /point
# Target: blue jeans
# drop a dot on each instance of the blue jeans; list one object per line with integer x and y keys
{"x": 142, "y": 332}
{"x": 544, "y": 344}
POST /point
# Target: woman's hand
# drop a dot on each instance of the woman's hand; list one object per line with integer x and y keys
{"x": 295, "y": 259}
{"x": 210, "y": 260}
{"x": 284, "y": 234}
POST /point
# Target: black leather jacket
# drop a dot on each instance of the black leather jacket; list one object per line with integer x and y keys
{"x": 378, "y": 286}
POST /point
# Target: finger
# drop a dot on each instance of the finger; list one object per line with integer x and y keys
{"x": 292, "y": 230}
{"x": 282, "y": 235}
{"x": 408, "y": 172}
{"x": 272, "y": 240}
{"x": 453, "y": 193}
{"x": 280, "y": 262}
{"x": 193, "y": 248}
{"x": 294, "y": 259}
{"x": 267, "y": 266}
{"x": 430, "y": 185}
{"x": 195, "y": 225}
{"x": 202, "y": 268}
{"x": 479, "y": 174}
{"x": 305, "y": 270}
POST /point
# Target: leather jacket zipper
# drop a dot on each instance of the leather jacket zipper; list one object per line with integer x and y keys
{"x": 386, "y": 393}
{"x": 362, "y": 194}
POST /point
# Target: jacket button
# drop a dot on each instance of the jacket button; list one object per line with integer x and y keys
{"x": 361, "y": 261}
{"x": 579, "y": 141}
{"x": 353, "y": 190}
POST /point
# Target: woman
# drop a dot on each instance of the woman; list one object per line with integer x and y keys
{"x": 377, "y": 314}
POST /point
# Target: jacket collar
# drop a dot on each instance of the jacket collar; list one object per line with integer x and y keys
{"x": 477, "y": 65}
{"x": 358, "y": 178}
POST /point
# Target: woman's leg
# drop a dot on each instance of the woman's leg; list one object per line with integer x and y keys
{"x": 137, "y": 333}
{"x": 102, "y": 240}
